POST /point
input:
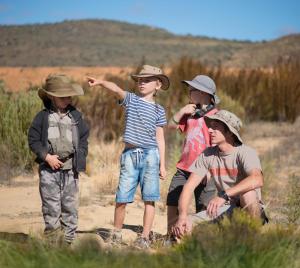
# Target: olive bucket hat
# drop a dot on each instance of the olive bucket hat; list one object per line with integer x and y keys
{"x": 229, "y": 119}
{"x": 205, "y": 84}
{"x": 59, "y": 85}
{"x": 151, "y": 71}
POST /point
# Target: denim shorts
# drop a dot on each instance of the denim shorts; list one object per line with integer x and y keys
{"x": 138, "y": 166}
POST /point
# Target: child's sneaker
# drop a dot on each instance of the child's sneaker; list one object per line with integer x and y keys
{"x": 141, "y": 243}
{"x": 114, "y": 237}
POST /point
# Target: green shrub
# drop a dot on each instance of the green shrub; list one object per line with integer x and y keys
{"x": 17, "y": 111}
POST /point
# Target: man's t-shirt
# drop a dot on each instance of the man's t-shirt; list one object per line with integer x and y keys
{"x": 196, "y": 141}
{"x": 227, "y": 169}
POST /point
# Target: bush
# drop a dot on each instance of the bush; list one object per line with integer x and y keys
{"x": 17, "y": 111}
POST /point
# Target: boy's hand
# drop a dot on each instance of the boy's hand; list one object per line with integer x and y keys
{"x": 53, "y": 161}
{"x": 188, "y": 109}
{"x": 93, "y": 81}
{"x": 162, "y": 173}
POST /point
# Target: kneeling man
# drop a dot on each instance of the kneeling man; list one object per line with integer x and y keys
{"x": 234, "y": 167}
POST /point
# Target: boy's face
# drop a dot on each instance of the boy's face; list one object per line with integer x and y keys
{"x": 199, "y": 97}
{"x": 148, "y": 85}
{"x": 61, "y": 103}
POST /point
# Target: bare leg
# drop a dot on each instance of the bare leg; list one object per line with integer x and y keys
{"x": 250, "y": 203}
{"x": 172, "y": 216}
{"x": 119, "y": 215}
{"x": 149, "y": 213}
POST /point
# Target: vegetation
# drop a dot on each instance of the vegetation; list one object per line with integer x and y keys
{"x": 17, "y": 112}
{"x": 112, "y": 43}
{"x": 239, "y": 243}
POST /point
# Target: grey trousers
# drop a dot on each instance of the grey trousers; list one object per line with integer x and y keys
{"x": 59, "y": 194}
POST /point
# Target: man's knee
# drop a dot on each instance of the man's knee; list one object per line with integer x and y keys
{"x": 249, "y": 201}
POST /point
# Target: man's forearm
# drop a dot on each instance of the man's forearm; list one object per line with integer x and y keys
{"x": 252, "y": 182}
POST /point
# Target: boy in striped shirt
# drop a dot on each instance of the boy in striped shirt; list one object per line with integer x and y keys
{"x": 143, "y": 159}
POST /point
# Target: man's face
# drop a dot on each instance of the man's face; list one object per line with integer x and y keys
{"x": 148, "y": 85}
{"x": 217, "y": 132}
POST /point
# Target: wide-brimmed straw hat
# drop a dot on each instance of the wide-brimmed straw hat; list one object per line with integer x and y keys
{"x": 205, "y": 84}
{"x": 229, "y": 119}
{"x": 59, "y": 85}
{"x": 151, "y": 71}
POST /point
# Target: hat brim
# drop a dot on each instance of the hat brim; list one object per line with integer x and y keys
{"x": 75, "y": 90}
{"x": 212, "y": 117}
{"x": 201, "y": 88}
{"x": 163, "y": 78}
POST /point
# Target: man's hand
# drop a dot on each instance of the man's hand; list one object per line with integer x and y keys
{"x": 182, "y": 226}
{"x": 214, "y": 205}
{"x": 53, "y": 161}
{"x": 162, "y": 172}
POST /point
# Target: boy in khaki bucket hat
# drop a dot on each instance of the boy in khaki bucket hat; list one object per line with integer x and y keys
{"x": 58, "y": 136}
{"x": 143, "y": 159}
{"x": 234, "y": 167}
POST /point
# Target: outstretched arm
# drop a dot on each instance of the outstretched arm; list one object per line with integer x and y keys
{"x": 108, "y": 85}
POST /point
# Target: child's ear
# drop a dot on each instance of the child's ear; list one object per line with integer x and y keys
{"x": 158, "y": 84}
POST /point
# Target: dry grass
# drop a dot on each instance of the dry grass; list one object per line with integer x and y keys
{"x": 21, "y": 78}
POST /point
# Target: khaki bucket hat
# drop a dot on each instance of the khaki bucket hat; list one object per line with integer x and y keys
{"x": 229, "y": 119}
{"x": 59, "y": 85}
{"x": 204, "y": 83}
{"x": 151, "y": 71}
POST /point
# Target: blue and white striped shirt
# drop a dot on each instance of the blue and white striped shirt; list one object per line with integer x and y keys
{"x": 141, "y": 119}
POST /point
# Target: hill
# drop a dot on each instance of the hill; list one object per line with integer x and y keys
{"x": 112, "y": 43}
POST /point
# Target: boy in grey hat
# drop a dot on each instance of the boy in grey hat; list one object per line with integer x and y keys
{"x": 189, "y": 120}
{"x": 58, "y": 136}
{"x": 235, "y": 169}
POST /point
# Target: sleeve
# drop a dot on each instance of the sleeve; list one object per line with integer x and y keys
{"x": 201, "y": 165}
{"x": 249, "y": 159}
{"x": 83, "y": 143}
{"x": 127, "y": 99}
{"x": 35, "y": 138}
{"x": 161, "y": 120}
{"x": 183, "y": 123}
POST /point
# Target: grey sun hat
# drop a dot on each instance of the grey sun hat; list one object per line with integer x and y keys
{"x": 59, "y": 85}
{"x": 151, "y": 71}
{"x": 229, "y": 119}
{"x": 205, "y": 84}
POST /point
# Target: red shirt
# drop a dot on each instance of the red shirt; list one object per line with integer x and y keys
{"x": 196, "y": 141}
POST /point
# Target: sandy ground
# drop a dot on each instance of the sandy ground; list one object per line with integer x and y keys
{"x": 20, "y": 210}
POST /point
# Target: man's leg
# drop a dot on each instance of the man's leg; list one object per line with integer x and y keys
{"x": 149, "y": 213}
{"x": 204, "y": 192}
{"x": 249, "y": 201}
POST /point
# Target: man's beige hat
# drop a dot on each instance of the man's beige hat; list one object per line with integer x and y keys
{"x": 229, "y": 119}
{"x": 59, "y": 85}
{"x": 151, "y": 71}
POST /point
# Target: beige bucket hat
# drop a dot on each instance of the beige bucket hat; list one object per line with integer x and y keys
{"x": 59, "y": 85}
{"x": 151, "y": 71}
{"x": 229, "y": 119}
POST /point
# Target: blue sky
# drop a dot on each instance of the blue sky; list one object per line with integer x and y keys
{"x": 254, "y": 20}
